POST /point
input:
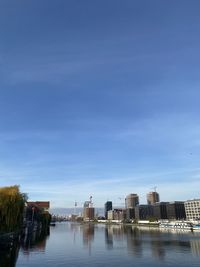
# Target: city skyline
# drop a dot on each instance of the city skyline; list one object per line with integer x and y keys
{"x": 100, "y": 99}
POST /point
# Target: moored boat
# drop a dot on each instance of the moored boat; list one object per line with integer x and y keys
{"x": 177, "y": 225}
{"x": 196, "y": 227}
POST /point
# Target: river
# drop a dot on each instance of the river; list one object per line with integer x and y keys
{"x": 74, "y": 245}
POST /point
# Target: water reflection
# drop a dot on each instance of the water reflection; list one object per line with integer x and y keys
{"x": 8, "y": 256}
{"x": 137, "y": 242}
{"x": 134, "y": 242}
{"x": 88, "y": 236}
{"x": 158, "y": 250}
{"x": 195, "y": 247}
{"x": 140, "y": 240}
{"x": 70, "y": 244}
{"x": 109, "y": 237}
{"x": 35, "y": 241}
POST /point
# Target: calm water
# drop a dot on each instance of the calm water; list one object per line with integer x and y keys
{"x": 72, "y": 244}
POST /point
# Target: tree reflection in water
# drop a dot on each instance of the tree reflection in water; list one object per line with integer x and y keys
{"x": 8, "y": 256}
{"x": 35, "y": 241}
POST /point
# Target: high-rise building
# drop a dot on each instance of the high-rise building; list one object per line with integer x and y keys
{"x": 152, "y": 197}
{"x": 88, "y": 210}
{"x": 88, "y": 214}
{"x": 192, "y": 209}
{"x": 131, "y": 201}
{"x": 108, "y": 206}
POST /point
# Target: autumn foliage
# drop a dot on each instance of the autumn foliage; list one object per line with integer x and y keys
{"x": 12, "y": 203}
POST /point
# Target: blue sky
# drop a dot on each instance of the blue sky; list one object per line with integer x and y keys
{"x": 100, "y": 98}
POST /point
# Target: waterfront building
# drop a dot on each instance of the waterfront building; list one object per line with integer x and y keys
{"x": 110, "y": 215}
{"x": 130, "y": 214}
{"x": 160, "y": 210}
{"x": 152, "y": 198}
{"x": 143, "y": 212}
{"x": 192, "y": 209}
{"x": 176, "y": 210}
{"x": 36, "y": 212}
{"x": 88, "y": 214}
{"x": 131, "y": 201}
{"x": 88, "y": 210}
{"x": 108, "y": 206}
{"x": 44, "y": 205}
{"x": 117, "y": 214}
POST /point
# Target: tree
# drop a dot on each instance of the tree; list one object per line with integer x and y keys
{"x": 12, "y": 203}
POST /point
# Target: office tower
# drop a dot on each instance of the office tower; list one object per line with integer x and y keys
{"x": 108, "y": 206}
{"x": 176, "y": 210}
{"x": 160, "y": 210}
{"x": 131, "y": 201}
{"x": 143, "y": 212}
{"x": 152, "y": 197}
{"x": 192, "y": 209}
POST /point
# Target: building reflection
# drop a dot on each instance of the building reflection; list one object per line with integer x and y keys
{"x": 88, "y": 233}
{"x": 163, "y": 242}
{"x": 75, "y": 227}
{"x": 145, "y": 240}
{"x": 134, "y": 241}
{"x": 118, "y": 233}
{"x": 154, "y": 238}
{"x": 158, "y": 250}
{"x": 138, "y": 241}
{"x": 35, "y": 241}
{"x": 88, "y": 236}
{"x": 195, "y": 247}
{"x": 109, "y": 237}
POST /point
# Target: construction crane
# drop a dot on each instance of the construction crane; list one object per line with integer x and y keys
{"x": 154, "y": 188}
{"x": 120, "y": 203}
{"x": 91, "y": 204}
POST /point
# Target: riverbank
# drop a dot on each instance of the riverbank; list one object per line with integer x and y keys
{"x": 169, "y": 226}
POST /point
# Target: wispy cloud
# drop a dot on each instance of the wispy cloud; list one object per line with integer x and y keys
{"x": 64, "y": 192}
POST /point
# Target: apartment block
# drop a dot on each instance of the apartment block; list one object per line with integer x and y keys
{"x": 192, "y": 209}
